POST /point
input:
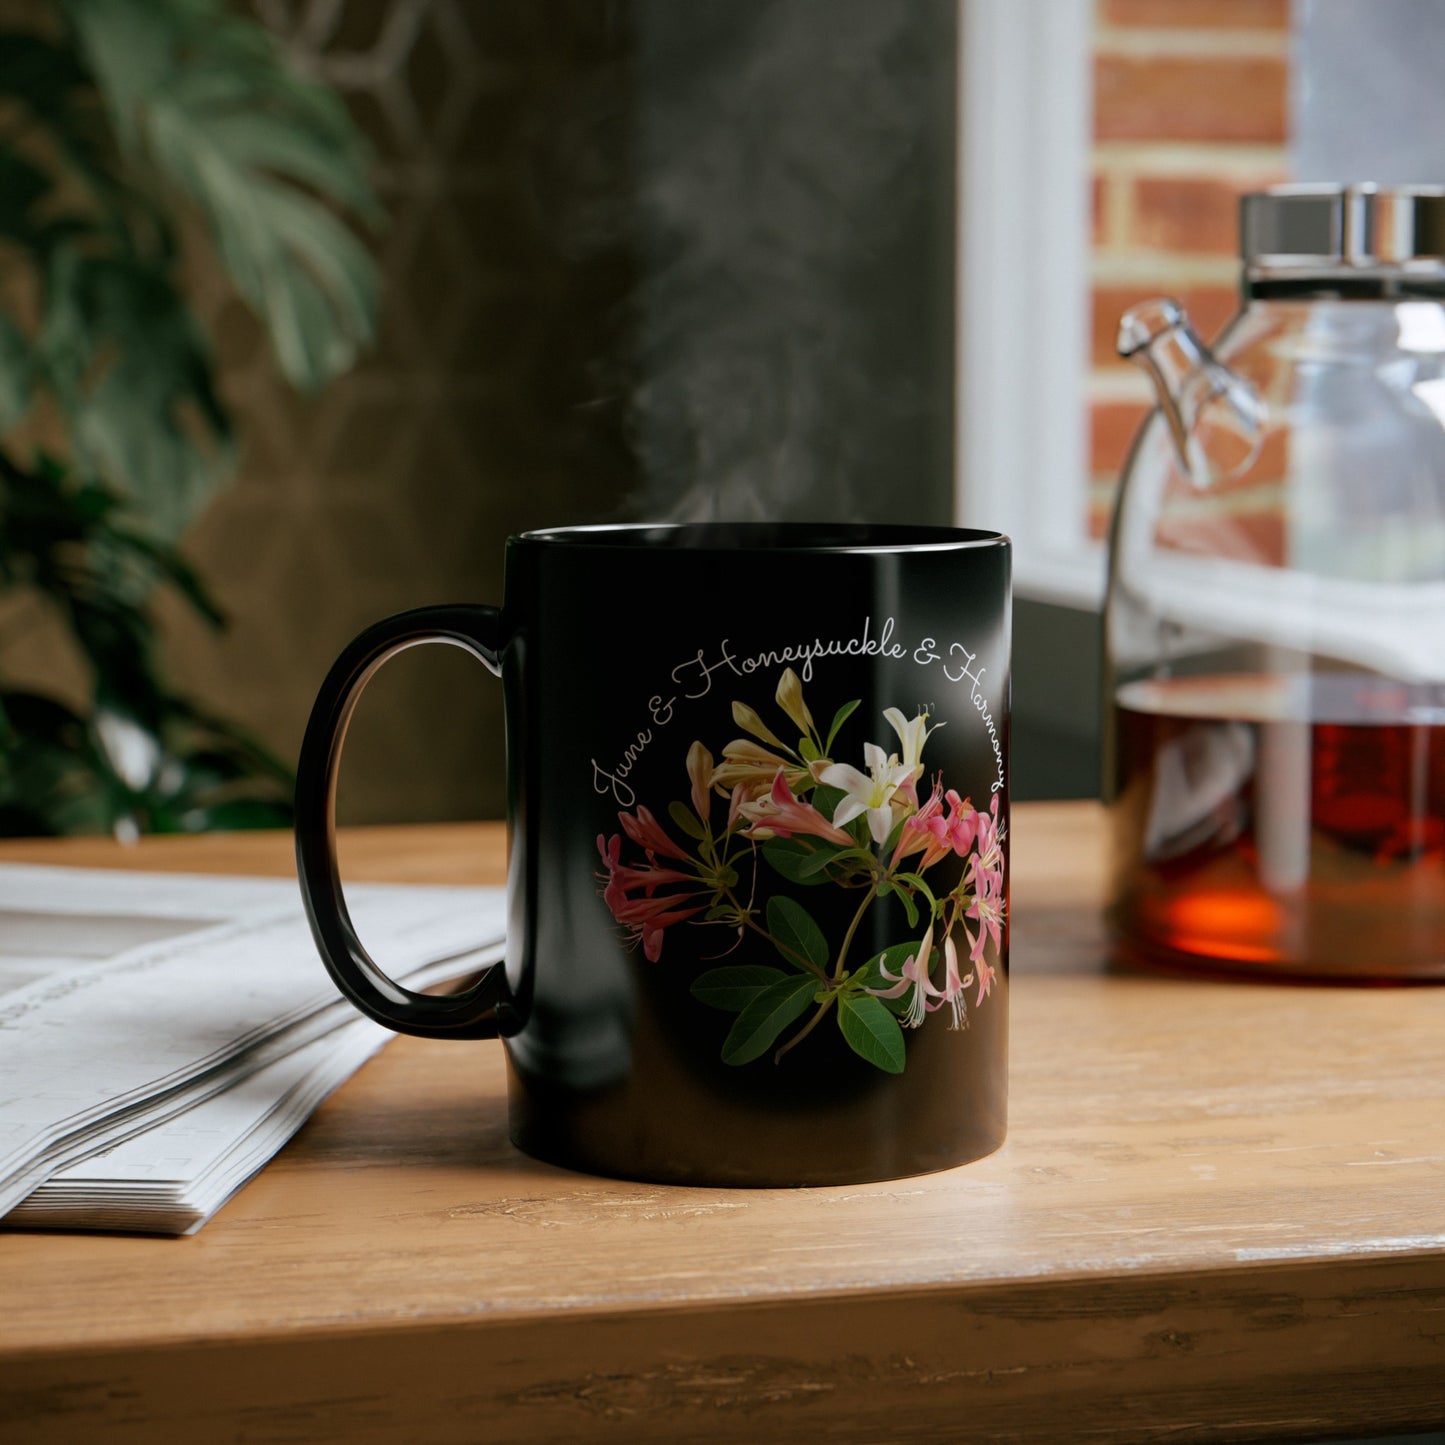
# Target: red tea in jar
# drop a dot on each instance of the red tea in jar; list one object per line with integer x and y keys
{"x": 1289, "y": 826}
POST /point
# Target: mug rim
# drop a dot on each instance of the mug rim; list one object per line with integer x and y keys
{"x": 809, "y": 537}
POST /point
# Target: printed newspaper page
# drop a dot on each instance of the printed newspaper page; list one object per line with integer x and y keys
{"x": 129, "y": 999}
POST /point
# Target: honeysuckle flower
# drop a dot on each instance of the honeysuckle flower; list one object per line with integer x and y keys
{"x": 990, "y": 839}
{"x": 781, "y": 815}
{"x": 869, "y": 792}
{"x": 790, "y": 699}
{"x": 911, "y": 735}
{"x": 953, "y": 985}
{"x": 750, "y": 722}
{"x": 923, "y": 833}
{"x": 699, "y": 772}
{"x": 647, "y": 832}
{"x": 753, "y": 767}
{"x": 987, "y": 911}
{"x": 914, "y": 974}
{"x": 936, "y": 833}
{"x": 646, "y": 919}
{"x": 985, "y": 972}
{"x": 622, "y": 879}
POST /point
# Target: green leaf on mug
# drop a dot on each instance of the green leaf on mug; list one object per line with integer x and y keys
{"x": 735, "y": 987}
{"x": 800, "y": 862}
{"x": 686, "y": 819}
{"x": 872, "y": 1032}
{"x": 909, "y": 906}
{"x": 795, "y": 933}
{"x": 839, "y": 718}
{"x": 759, "y": 1024}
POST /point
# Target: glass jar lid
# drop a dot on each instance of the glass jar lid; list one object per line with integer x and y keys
{"x": 1343, "y": 230}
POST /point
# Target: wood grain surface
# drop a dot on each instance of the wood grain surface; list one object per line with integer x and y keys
{"x": 1219, "y": 1215}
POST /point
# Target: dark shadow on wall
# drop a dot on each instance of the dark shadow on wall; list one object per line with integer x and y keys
{"x": 1056, "y": 706}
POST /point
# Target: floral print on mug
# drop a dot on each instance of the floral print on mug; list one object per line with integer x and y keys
{"x": 797, "y": 815}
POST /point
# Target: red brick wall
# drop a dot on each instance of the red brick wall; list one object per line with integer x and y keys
{"x": 1190, "y": 111}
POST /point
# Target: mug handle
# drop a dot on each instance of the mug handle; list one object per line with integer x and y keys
{"x": 471, "y": 1014}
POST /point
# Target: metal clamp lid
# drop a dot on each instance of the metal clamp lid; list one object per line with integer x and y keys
{"x": 1312, "y": 227}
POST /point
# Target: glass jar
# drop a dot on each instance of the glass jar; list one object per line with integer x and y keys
{"x": 1275, "y": 620}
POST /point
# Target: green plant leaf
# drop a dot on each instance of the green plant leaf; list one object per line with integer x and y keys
{"x": 799, "y": 861}
{"x": 735, "y": 987}
{"x": 132, "y": 374}
{"x": 15, "y": 373}
{"x": 686, "y": 819}
{"x": 792, "y": 927}
{"x": 21, "y": 186}
{"x": 207, "y": 100}
{"x": 839, "y": 718}
{"x": 38, "y": 73}
{"x": 757, "y": 1027}
{"x": 909, "y": 906}
{"x": 916, "y": 880}
{"x": 872, "y": 1032}
{"x": 802, "y": 860}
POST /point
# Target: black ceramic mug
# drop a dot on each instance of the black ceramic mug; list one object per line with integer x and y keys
{"x": 758, "y": 869}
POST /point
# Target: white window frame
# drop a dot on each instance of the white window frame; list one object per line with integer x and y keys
{"x": 1025, "y": 134}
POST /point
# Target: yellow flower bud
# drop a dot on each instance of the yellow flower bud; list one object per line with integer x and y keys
{"x": 790, "y": 699}
{"x": 750, "y": 722}
{"x": 699, "y": 772}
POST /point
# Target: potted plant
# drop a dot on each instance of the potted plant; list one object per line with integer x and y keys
{"x": 121, "y": 122}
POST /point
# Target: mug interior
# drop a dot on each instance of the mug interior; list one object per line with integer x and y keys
{"x": 767, "y": 536}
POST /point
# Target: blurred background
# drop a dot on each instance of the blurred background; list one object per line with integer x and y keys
{"x": 632, "y": 258}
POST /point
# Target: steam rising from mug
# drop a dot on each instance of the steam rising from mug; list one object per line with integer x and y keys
{"x": 790, "y": 210}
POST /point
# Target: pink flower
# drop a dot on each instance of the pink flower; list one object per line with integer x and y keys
{"x": 781, "y": 815}
{"x": 921, "y": 833}
{"x": 953, "y": 985}
{"x": 647, "y": 832}
{"x": 962, "y": 828}
{"x": 990, "y": 840}
{"x": 646, "y": 918}
{"x": 623, "y": 879}
{"x": 935, "y": 834}
{"x": 985, "y": 973}
{"x": 987, "y": 911}
{"x": 985, "y": 877}
{"x": 914, "y": 975}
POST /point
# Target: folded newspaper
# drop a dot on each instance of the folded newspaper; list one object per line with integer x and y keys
{"x": 162, "y": 1035}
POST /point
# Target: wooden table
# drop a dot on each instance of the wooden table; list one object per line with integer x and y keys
{"x": 1220, "y": 1215}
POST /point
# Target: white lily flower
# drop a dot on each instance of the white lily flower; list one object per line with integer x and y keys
{"x": 868, "y": 792}
{"x": 912, "y": 735}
